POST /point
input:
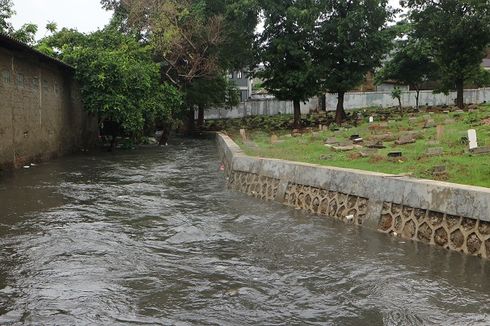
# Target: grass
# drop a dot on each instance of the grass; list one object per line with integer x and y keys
{"x": 461, "y": 166}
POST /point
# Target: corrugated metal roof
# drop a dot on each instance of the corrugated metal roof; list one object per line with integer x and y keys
{"x": 14, "y": 44}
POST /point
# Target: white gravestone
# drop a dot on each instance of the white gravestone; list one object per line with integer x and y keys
{"x": 371, "y": 119}
{"x": 472, "y": 139}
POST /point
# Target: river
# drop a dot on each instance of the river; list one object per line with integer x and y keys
{"x": 153, "y": 237}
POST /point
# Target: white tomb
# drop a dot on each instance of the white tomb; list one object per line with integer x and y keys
{"x": 472, "y": 139}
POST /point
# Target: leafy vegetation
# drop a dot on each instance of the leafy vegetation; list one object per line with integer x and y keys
{"x": 120, "y": 82}
{"x": 286, "y": 50}
{"x": 456, "y": 33}
{"x": 353, "y": 38}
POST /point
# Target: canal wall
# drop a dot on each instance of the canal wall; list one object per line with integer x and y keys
{"x": 452, "y": 216}
{"x": 41, "y": 113}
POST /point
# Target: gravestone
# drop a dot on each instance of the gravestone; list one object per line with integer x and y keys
{"x": 243, "y": 134}
{"x": 367, "y": 152}
{"x": 435, "y": 151}
{"x": 395, "y": 154}
{"x": 439, "y": 170}
{"x": 274, "y": 139}
{"x": 376, "y": 145}
{"x": 472, "y": 139}
{"x": 405, "y": 139}
{"x": 331, "y": 141}
{"x": 429, "y": 123}
{"x": 481, "y": 150}
{"x": 439, "y": 132}
{"x": 371, "y": 119}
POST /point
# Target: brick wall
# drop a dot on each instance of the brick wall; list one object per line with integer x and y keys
{"x": 41, "y": 113}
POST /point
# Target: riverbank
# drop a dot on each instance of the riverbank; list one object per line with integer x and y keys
{"x": 432, "y": 145}
{"x": 447, "y": 215}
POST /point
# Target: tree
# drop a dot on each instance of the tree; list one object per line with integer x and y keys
{"x": 214, "y": 92}
{"x": 457, "y": 32}
{"x": 285, "y": 49}
{"x": 396, "y": 93}
{"x": 353, "y": 38}
{"x": 24, "y": 34}
{"x": 411, "y": 65}
{"x": 194, "y": 39}
{"x": 120, "y": 82}
{"x": 6, "y": 12}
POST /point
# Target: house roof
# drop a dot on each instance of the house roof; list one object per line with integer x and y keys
{"x": 16, "y": 45}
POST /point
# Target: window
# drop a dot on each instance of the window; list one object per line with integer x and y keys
{"x": 230, "y": 75}
{"x": 46, "y": 86}
{"x": 6, "y": 77}
{"x": 239, "y": 75}
{"x": 56, "y": 88}
{"x": 35, "y": 84}
{"x": 19, "y": 80}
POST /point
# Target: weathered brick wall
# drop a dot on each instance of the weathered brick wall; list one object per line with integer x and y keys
{"x": 41, "y": 113}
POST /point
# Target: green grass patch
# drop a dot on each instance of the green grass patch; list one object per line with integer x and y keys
{"x": 461, "y": 166}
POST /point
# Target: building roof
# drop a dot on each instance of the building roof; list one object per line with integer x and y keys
{"x": 14, "y": 44}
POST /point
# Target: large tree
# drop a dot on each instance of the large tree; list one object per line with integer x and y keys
{"x": 353, "y": 38}
{"x": 120, "y": 82}
{"x": 411, "y": 64}
{"x": 457, "y": 32}
{"x": 285, "y": 49}
{"x": 194, "y": 39}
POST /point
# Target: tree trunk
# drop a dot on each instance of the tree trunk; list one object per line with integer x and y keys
{"x": 200, "y": 118}
{"x": 417, "y": 97}
{"x": 400, "y": 106}
{"x": 323, "y": 102}
{"x": 165, "y": 135}
{"x": 460, "y": 91}
{"x": 297, "y": 114}
{"x": 340, "y": 115}
{"x": 189, "y": 123}
{"x": 113, "y": 143}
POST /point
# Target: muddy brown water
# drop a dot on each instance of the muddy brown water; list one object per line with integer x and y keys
{"x": 153, "y": 237}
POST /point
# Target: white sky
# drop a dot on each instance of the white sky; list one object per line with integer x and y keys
{"x": 84, "y": 15}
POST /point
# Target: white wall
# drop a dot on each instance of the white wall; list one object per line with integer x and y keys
{"x": 353, "y": 100}
{"x": 357, "y": 100}
{"x": 260, "y": 107}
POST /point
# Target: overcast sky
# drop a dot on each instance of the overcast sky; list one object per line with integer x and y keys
{"x": 84, "y": 15}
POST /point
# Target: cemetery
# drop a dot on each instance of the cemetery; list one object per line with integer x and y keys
{"x": 443, "y": 143}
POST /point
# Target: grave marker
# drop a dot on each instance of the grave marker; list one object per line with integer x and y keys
{"x": 440, "y": 132}
{"x": 472, "y": 139}
{"x": 243, "y": 134}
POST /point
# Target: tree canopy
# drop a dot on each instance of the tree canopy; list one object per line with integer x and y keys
{"x": 353, "y": 38}
{"x": 411, "y": 64}
{"x": 457, "y": 32}
{"x": 119, "y": 80}
{"x": 286, "y": 51}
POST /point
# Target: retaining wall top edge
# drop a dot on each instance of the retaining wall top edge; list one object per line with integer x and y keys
{"x": 238, "y": 152}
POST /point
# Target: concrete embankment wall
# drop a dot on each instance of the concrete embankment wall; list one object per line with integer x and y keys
{"x": 353, "y": 100}
{"x": 41, "y": 113}
{"x": 455, "y": 217}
